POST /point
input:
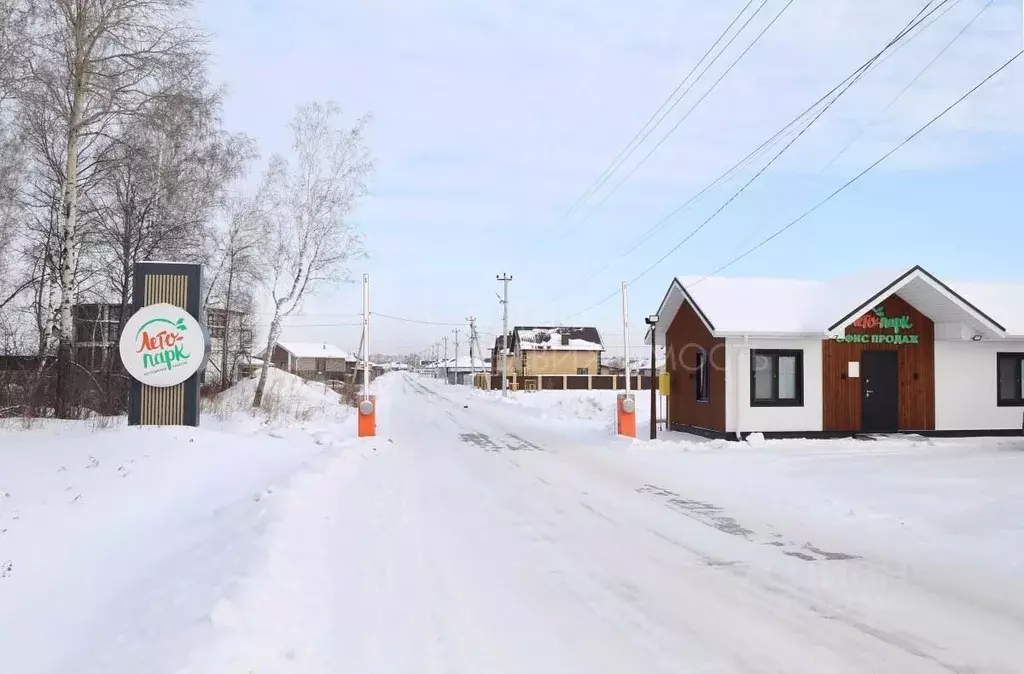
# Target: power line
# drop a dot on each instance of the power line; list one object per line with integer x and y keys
{"x": 623, "y": 154}
{"x": 914, "y": 26}
{"x": 682, "y": 119}
{"x": 857, "y": 177}
{"x": 832, "y": 97}
{"x": 415, "y": 320}
{"x": 321, "y": 325}
{"x": 912, "y": 82}
{"x": 638, "y": 139}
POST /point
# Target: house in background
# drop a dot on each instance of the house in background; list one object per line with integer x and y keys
{"x": 495, "y": 360}
{"x": 556, "y": 350}
{"x": 881, "y": 352}
{"x": 231, "y": 335}
{"x": 312, "y": 360}
{"x": 462, "y": 371}
{"x": 96, "y": 330}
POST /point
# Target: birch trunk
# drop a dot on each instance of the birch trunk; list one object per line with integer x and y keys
{"x": 275, "y": 333}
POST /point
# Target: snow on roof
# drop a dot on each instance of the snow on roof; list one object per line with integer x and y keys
{"x": 790, "y": 306}
{"x": 1004, "y": 302}
{"x": 315, "y": 350}
{"x": 464, "y": 363}
{"x": 557, "y": 338}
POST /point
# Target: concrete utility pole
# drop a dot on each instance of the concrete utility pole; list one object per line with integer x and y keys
{"x": 366, "y": 337}
{"x": 456, "y": 331}
{"x": 625, "y": 332}
{"x": 445, "y": 340}
{"x": 472, "y": 338}
{"x": 504, "y": 278}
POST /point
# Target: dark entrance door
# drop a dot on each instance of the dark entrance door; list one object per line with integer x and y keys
{"x": 880, "y": 391}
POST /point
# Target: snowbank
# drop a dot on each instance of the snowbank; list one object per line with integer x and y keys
{"x": 287, "y": 399}
{"x": 588, "y": 406}
{"x": 113, "y": 541}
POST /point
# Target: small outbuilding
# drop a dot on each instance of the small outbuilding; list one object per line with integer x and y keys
{"x": 881, "y": 352}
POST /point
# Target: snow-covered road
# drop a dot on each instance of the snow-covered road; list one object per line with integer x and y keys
{"x": 472, "y": 540}
{"x": 471, "y": 537}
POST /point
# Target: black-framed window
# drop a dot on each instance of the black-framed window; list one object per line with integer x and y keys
{"x": 1009, "y": 368}
{"x": 701, "y": 377}
{"x": 583, "y": 370}
{"x": 776, "y": 378}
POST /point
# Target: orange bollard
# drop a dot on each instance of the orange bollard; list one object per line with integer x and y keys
{"x": 368, "y": 417}
{"x": 625, "y": 407}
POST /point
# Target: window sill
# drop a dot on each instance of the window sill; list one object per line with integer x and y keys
{"x": 776, "y": 403}
{"x": 1010, "y": 403}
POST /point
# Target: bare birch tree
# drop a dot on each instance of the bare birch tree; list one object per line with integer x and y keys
{"x": 167, "y": 177}
{"x": 12, "y": 23}
{"x": 95, "y": 63}
{"x": 311, "y": 240}
{"x": 238, "y": 266}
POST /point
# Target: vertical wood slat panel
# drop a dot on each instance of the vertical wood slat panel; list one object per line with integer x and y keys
{"x": 164, "y": 405}
{"x": 842, "y": 397}
{"x": 684, "y": 337}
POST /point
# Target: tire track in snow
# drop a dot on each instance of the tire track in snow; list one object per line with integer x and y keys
{"x": 806, "y": 605}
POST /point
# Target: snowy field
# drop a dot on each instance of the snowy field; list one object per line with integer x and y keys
{"x": 480, "y": 534}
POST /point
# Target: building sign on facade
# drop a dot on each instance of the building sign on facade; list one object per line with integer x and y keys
{"x": 162, "y": 345}
{"x": 885, "y": 329}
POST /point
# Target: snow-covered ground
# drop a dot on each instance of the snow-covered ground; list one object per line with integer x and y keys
{"x": 476, "y": 534}
{"x": 115, "y": 541}
{"x": 579, "y": 410}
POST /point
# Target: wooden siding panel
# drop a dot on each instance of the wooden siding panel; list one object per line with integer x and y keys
{"x": 684, "y": 336}
{"x": 842, "y": 397}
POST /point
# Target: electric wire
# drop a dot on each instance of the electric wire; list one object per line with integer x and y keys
{"x": 832, "y": 97}
{"x": 682, "y": 119}
{"x": 606, "y": 175}
{"x": 857, "y": 177}
{"x": 626, "y": 151}
{"x": 768, "y": 144}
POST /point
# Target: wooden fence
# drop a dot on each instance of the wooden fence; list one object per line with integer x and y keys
{"x": 563, "y": 382}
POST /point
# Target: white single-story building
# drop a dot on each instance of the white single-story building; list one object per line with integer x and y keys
{"x": 874, "y": 353}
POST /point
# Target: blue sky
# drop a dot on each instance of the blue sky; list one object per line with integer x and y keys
{"x": 492, "y": 118}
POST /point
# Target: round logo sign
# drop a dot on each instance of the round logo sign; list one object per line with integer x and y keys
{"x": 162, "y": 345}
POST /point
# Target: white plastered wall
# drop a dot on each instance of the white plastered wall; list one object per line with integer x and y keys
{"x": 965, "y": 386}
{"x": 741, "y": 417}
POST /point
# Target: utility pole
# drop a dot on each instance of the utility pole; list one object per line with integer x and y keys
{"x": 652, "y": 321}
{"x": 456, "y": 331}
{"x": 625, "y": 333}
{"x": 472, "y": 338}
{"x": 504, "y": 278}
{"x": 445, "y": 340}
{"x": 366, "y": 337}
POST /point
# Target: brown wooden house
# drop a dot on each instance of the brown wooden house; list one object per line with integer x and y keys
{"x": 881, "y": 352}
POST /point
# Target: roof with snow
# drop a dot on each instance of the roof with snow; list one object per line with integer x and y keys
{"x": 464, "y": 363}
{"x": 498, "y": 343}
{"x": 315, "y": 350}
{"x": 779, "y": 307}
{"x": 556, "y": 338}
